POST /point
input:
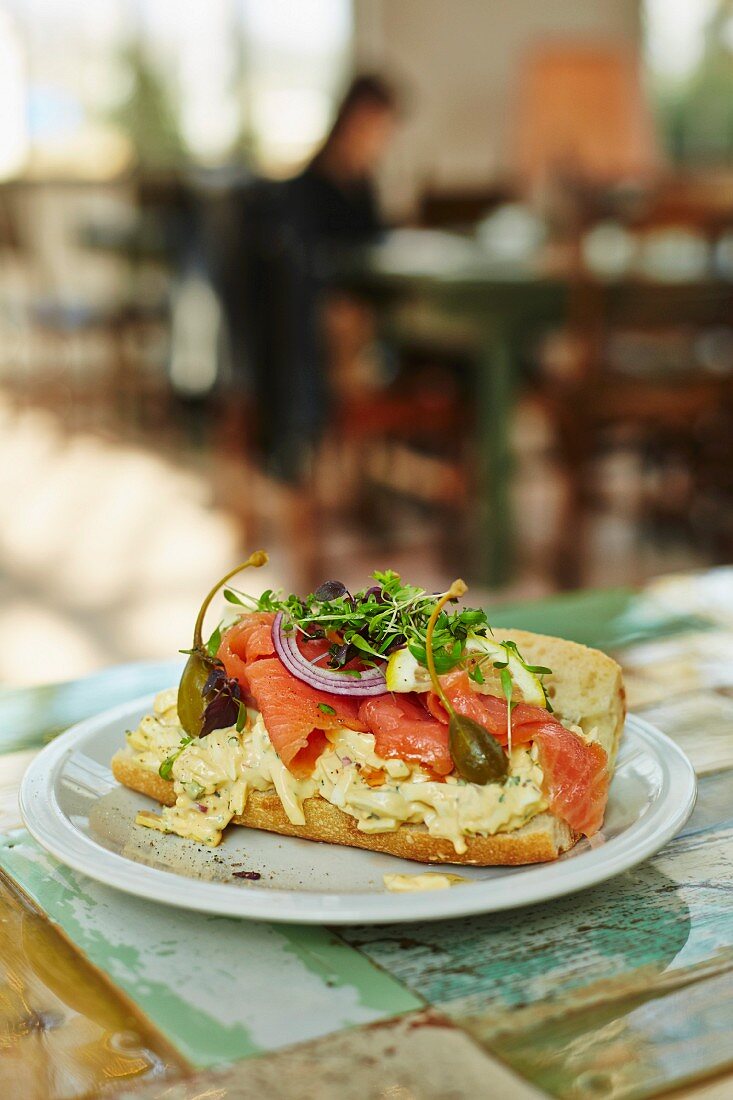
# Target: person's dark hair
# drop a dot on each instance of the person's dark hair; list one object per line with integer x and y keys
{"x": 365, "y": 90}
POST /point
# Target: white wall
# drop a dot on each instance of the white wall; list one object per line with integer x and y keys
{"x": 461, "y": 63}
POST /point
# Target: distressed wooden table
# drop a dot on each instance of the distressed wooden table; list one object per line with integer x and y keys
{"x": 624, "y": 991}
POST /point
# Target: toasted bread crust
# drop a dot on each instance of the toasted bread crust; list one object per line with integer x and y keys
{"x": 542, "y": 839}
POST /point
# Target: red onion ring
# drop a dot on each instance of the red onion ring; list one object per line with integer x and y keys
{"x": 369, "y": 682}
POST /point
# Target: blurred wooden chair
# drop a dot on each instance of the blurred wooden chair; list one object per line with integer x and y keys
{"x": 661, "y": 413}
{"x": 407, "y": 444}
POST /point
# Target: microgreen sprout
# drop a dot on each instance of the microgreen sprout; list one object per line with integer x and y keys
{"x": 373, "y": 623}
{"x": 165, "y": 769}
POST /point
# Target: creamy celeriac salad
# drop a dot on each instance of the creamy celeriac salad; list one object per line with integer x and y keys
{"x": 213, "y": 776}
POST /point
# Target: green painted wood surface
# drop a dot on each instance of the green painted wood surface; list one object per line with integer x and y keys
{"x": 218, "y": 988}
{"x": 620, "y": 1041}
{"x": 673, "y": 911}
{"x": 64, "y": 1030}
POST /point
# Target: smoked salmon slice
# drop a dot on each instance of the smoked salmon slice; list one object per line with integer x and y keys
{"x": 576, "y": 774}
{"x": 576, "y": 777}
{"x": 404, "y": 729}
{"x": 244, "y": 642}
{"x": 292, "y": 710}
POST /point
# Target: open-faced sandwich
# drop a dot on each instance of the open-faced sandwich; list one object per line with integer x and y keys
{"x": 390, "y": 719}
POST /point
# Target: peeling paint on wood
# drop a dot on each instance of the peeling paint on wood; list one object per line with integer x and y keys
{"x": 590, "y": 996}
{"x": 418, "y": 1057}
{"x": 702, "y": 725}
{"x": 674, "y": 910}
{"x": 623, "y": 1048}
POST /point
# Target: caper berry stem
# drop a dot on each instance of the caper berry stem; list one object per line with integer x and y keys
{"x": 477, "y": 755}
{"x": 456, "y": 590}
{"x": 258, "y": 558}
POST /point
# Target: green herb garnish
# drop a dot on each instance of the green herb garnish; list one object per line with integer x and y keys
{"x": 507, "y": 687}
{"x": 373, "y": 623}
{"x": 366, "y": 627}
{"x": 165, "y": 769}
{"x": 475, "y": 673}
{"x": 234, "y": 597}
{"x": 212, "y": 646}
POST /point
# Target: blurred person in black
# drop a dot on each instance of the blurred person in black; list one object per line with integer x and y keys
{"x": 280, "y": 301}
{"x": 335, "y": 197}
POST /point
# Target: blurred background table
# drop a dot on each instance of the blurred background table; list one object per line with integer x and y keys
{"x": 501, "y": 308}
{"x": 623, "y": 991}
{"x": 442, "y": 298}
{"x": 422, "y": 281}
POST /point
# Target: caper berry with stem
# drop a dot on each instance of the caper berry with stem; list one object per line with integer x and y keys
{"x": 191, "y": 702}
{"x": 477, "y": 755}
{"x": 191, "y": 699}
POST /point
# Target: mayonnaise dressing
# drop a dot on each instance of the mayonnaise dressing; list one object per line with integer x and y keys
{"x": 214, "y": 774}
{"x": 428, "y": 880}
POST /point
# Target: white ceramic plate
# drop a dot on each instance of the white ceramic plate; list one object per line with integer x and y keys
{"x": 73, "y": 807}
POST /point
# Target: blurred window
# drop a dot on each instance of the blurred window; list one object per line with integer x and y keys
{"x": 13, "y": 124}
{"x": 689, "y": 55}
{"x": 297, "y": 58}
{"x": 95, "y": 88}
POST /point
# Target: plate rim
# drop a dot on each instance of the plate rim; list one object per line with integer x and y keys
{"x": 49, "y": 825}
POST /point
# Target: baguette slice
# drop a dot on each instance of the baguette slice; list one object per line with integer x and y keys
{"x": 541, "y": 839}
{"x": 585, "y": 686}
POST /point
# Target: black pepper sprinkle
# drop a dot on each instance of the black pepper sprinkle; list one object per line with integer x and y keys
{"x": 251, "y": 875}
